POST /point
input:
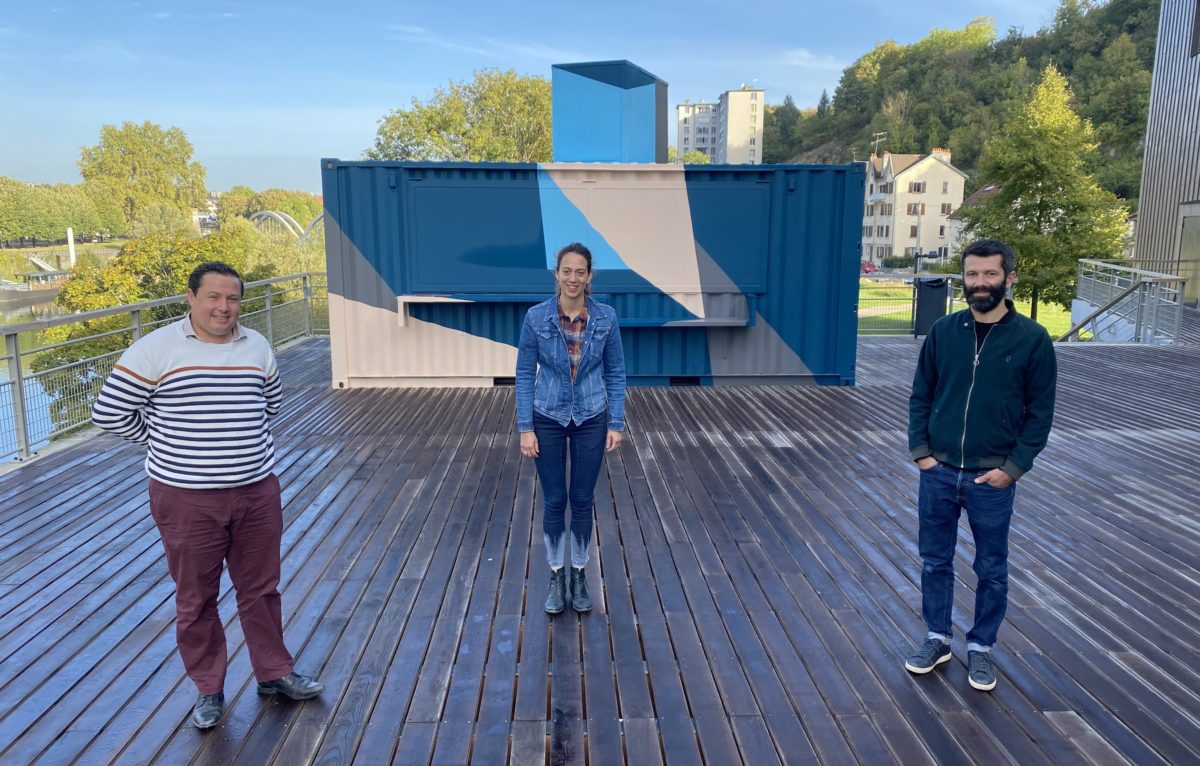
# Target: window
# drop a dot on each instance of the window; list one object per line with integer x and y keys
{"x": 916, "y": 187}
{"x": 685, "y": 142}
{"x": 870, "y": 211}
{"x": 944, "y": 251}
{"x": 685, "y": 131}
{"x": 883, "y": 231}
{"x": 752, "y": 141}
{"x": 912, "y": 232}
{"x": 941, "y": 231}
{"x": 753, "y": 96}
{"x": 884, "y": 251}
{"x": 866, "y": 231}
{"x": 887, "y": 187}
{"x": 702, "y": 140}
{"x": 945, "y": 187}
{"x": 1196, "y": 31}
{"x": 885, "y": 208}
{"x": 872, "y": 191}
{"x": 911, "y": 251}
{"x": 753, "y": 118}
{"x": 916, "y": 208}
{"x": 751, "y": 152}
{"x": 754, "y": 107}
{"x": 946, "y": 208}
{"x": 868, "y": 252}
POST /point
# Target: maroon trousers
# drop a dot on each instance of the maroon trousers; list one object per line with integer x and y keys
{"x": 201, "y": 529}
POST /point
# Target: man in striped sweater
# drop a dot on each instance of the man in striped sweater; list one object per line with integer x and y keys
{"x": 199, "y": 394}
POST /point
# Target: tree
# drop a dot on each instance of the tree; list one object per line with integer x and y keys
{"x": 499, "y": 116}
{"x": 1047, "y": 206}
{"x": 144, "y": 164}
{"x": 234, "y": 203}
{"x": 691, "y": 157}
{"x": 158, "y": 218}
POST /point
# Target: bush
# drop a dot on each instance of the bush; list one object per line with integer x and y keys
{"x": 898, "y": 262}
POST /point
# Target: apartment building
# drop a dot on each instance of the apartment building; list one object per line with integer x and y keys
{"x": 908, "y": 205}
{"x": 729, "y": 131}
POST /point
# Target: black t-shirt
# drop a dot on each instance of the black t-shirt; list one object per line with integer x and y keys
{"x": 983, "y": 328}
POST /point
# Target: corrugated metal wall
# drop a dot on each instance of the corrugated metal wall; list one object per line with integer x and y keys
{"x": 1171, "y": 171}
{"x": 726, "y": 274}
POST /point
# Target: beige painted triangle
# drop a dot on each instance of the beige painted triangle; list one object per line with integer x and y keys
{"x": 642, "y": 212}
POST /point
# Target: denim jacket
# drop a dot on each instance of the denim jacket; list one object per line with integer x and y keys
{"x": 544, "y": 369}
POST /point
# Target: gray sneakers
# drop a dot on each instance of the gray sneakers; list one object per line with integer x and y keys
{"x": 931, "y": 654}
{"x": 979, "y": 671}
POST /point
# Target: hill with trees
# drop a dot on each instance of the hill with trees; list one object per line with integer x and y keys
{"x": 958, "y": 88}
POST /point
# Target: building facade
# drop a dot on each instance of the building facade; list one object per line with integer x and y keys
{"x": 1168, "y": 223}
{"x": 908, "y": 205}
{"x": 729, "y": 131}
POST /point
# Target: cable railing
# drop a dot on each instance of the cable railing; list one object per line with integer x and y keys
{"x": 52, "y": 369}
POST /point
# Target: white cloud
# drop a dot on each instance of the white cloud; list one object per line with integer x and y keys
{"x": 487, "y": 47}
{"x": 806, "y": 59}
{"x": 99, "y": 52}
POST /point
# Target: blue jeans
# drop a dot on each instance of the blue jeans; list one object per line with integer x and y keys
{"x": 944, "y": 491}
{"x": 586, "y": 444}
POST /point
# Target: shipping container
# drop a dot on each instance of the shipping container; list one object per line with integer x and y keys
{"x": 733, "y": 274}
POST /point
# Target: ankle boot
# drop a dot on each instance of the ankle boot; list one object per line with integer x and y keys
{"x": 556, "y": 595}
{"x": 580, "y": 601}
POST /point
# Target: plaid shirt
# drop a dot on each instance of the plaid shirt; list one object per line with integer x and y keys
{"x": 573, "y": 333}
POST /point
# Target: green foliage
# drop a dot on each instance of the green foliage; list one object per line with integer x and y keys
{"x": 234, "y": 203}
{"x": 1047, "y": 206}
{"x": 499, "y": 116}
{"x": 45, "y": 212}
{"x": 690, "y": 157}
{"x": 142, "y": 165}
{"x": 957, "y": 88}
{"x": 158, "y": 218}
{"x": 898, "y": 262}
{"x": 301, "y": 206}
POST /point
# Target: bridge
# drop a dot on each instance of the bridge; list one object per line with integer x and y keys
{"x": 756, "y": 580}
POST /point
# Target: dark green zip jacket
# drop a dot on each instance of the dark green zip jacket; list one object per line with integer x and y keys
{"x": 993, "y": 411}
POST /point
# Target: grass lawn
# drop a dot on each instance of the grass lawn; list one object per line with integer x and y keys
{"x": 874, "y": 297}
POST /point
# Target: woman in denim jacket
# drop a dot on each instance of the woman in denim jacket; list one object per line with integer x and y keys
{"x": 570, "y": 395}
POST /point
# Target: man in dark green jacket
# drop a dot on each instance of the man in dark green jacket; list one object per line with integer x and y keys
{"x": 981, "y": 407}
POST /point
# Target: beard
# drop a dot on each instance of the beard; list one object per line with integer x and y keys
{"x": 985, "y": 303}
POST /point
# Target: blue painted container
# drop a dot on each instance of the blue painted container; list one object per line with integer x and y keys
{"x": 720, "y": 274}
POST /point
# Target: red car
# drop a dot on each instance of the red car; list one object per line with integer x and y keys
{"x": 866, "y": 267}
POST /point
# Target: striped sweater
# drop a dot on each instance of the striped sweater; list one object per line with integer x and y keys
{"x": 201, "y": 408}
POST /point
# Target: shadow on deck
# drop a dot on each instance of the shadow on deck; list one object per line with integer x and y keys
{"x": 760, "y": 587}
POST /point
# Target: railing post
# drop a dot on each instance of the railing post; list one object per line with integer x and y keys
{"x": 270, "y": 318}
{"x": 12, "y": 347}
{"x": 307, "y": 307}
{"x": 136, "y": 316}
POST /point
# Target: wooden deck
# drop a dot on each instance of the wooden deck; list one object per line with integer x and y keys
{"x": 757, "y": 555}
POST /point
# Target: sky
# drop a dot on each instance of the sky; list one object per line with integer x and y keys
{"x": 264, "y": 90}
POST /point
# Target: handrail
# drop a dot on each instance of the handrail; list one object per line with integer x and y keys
{"x": 37, "y": 405}
{"x": 1092, "y": 316}
{"x": 43, "y": 324}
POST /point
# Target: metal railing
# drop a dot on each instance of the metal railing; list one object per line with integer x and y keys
{"x": 1116, "y": 303}
{"x": 51, "y": 370}
{"x": 887, "y": 302}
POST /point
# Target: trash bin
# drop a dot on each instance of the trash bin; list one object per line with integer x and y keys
{"x": 933, "y": 294}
